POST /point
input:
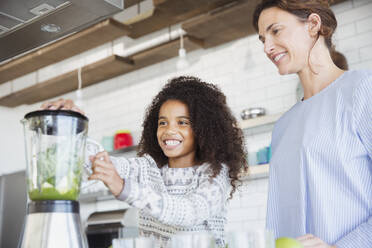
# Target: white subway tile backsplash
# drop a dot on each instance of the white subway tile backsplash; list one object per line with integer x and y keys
{"x": 235, "y": 202}
{"x": 247, "y": 188}
{"x": 357, "y": 3}
{"x": 274, "y": 104}
{"x": 364, "y": 25}
{"x": 363, "y": 65}
{"x": 356, "y": 41}
{"x": 97, "y": 53}
{"x": 257, "y": 95}
{"x": 254, "y": 200}
{"x": 252, "y": 213}
{"x": 352, "y": 56}
{"x": 277, "y": 90}
{"x": 366, "y": 53}
{"x": 345, "y": 31}
{"x": 243, "y": 214}
{"x": 25, "y": 81}
{"x": 262, "y": 213}
{"x": 342, "y": 7}
{"x": 70, "y": 64}
{"x": 355, "y": 14}
{"x": 262, "y": 185}
{"x": 288, "y": 101}
{"x": 5, "y": 88}
{"x": 234, "y": 226}
{"x": 254, "y": 224}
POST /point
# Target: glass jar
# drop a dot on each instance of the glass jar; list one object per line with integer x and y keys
{"x": 55, "y": 152}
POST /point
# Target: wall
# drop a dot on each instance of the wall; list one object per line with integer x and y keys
{"x": 12, "y": 157}
{"x": 242, "y": 71}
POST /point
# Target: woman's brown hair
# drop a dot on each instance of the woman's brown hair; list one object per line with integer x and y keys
{"x": 303, "y": 9}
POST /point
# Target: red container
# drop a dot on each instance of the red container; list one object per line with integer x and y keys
{"x": 122, "y": 139}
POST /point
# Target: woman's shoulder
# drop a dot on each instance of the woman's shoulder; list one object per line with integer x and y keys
{"x": 361, "y": 74}
{"x": 355, "y": 78}
{"x": 354, "y": 83}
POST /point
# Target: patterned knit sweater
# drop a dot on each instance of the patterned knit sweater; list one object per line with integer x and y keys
{"x": 173, "y": 200}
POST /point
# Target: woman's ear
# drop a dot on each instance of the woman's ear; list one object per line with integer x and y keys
{"x": 314, "y": 24}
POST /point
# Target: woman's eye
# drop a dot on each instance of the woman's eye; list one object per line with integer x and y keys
{"x": 275, "y": 31}
{"x": 162, "y": 123}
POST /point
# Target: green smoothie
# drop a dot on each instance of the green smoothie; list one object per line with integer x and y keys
{"x": 58, "y": 175}
{"x": 53, "y": 194}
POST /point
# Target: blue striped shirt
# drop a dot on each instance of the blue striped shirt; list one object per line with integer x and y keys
{"x": 321, "y": 168}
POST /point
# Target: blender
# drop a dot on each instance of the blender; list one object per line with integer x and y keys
{"x": 55, "y": 143}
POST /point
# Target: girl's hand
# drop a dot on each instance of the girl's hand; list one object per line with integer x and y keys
{"x": 62, "y": 104}
{"x": 310, "y": 241}
{"x": 104, "y": 170}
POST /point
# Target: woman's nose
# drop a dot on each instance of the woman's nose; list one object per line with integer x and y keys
{"x": 268, "y": 46}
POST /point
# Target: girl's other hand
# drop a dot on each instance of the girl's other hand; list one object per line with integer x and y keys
{"x": 61, "y": 104}
{"x": 105, "y": 171}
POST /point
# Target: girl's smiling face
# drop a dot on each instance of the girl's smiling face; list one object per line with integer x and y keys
{"x": 175, "y": 134}
{"x": 286, "y": 39}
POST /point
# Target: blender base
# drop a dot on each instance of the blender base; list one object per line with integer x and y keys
{"x": 53, "y": 224}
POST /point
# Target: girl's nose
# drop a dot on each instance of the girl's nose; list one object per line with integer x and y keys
{"x": 171, "y": 129}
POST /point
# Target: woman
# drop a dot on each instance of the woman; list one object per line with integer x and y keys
{"x": 320, "y": 188}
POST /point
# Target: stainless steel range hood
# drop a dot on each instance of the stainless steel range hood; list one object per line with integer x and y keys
{"x": 29, "y": 24}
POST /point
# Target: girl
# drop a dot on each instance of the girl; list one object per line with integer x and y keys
{"x": 321, "y": 169}
{"x": 190, "y": 154}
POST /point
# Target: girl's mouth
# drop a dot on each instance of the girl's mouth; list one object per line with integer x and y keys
{"x": 171, "y": 143}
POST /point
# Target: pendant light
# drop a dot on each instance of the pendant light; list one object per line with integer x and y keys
{"x": 182, "y": 62}
{"x": 79, "y": 92}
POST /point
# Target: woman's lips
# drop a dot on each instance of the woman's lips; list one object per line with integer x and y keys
{"x": 276, "y": 58}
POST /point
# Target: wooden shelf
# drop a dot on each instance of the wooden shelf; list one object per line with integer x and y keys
{"x": 89, "y": 38}
{"x": 255, "y": 172}
{"x": 164, "y": 51}
{"x": 107, "y": 68}
{"x": 224, "y": 24}
{"x": 170, "y": 12}
{"x": 259, "y": 121}
{"x": 94, "y": 73}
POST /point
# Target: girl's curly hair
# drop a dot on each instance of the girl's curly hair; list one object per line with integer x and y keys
{"x": 217, "y": 136}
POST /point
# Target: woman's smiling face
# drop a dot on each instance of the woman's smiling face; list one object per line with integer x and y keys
{"x": 286, "y": 39}
{"x": 175, "y": 134}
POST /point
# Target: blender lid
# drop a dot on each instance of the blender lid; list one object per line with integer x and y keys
{"x": 56, "y": 112}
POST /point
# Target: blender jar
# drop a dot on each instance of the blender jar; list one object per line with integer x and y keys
{"x": 55, "y": 152}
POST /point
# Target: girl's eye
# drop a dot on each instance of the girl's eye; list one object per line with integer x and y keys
{"x": 183, "y": 122}
{"x": 162, "y": 123}
{"x": 275, "y": 31}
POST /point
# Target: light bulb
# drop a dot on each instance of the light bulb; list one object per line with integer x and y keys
{"x": 182, "y": 62}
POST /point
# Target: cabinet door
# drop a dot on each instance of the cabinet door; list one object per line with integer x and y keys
{"x": 13, "y": 200}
